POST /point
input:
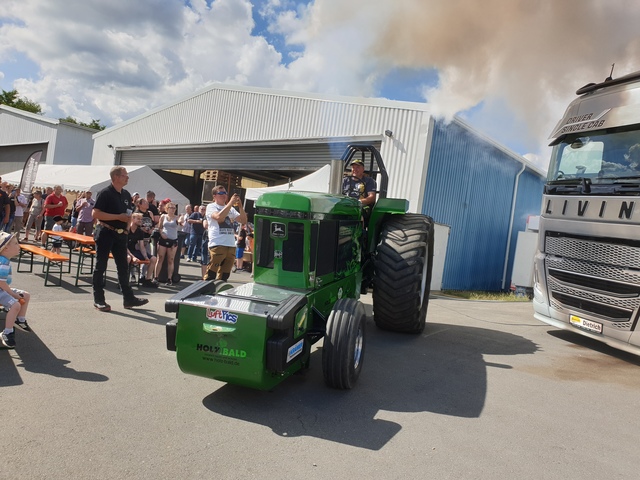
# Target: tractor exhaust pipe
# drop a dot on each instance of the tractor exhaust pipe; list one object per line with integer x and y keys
{"x": 335, "y": 177}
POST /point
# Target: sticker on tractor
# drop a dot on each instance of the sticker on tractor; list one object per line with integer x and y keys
{"x": 221, "y": 351}
{"x": 221, "y": 316}
{"x": 278, "y": 230}
{"x": 295, "y": 350}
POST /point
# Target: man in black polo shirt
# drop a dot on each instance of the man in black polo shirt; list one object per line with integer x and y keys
{"x": 113, "y": 210}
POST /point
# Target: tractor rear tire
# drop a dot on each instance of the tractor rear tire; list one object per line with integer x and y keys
{"x": 402, "y": 273}
{"x": 344, "y": 342}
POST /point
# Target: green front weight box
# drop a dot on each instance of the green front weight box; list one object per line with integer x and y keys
{"x": 248, "y": 335}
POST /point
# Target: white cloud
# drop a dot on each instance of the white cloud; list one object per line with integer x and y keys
{"x": 287, "y": 23}
{"x": 514, "y": 64}
{"x": 113, "y": 60}
{"x": 336, "y": 38}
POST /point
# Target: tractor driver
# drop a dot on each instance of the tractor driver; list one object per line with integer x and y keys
{"x": 360, "y": 186}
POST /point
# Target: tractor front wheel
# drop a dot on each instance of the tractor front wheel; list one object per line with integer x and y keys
{"x": 402, "y": 273}
{"x": 343, "y": 347}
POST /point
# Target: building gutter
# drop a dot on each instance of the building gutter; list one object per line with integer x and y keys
{"x": 513, "y": 213}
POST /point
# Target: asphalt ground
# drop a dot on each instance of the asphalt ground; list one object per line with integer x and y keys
{"x": 486, "y": 392}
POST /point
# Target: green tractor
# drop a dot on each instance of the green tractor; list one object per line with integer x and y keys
{"x": 314, "y": 256}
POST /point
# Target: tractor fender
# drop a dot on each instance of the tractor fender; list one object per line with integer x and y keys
{"x": 382, "y": 208}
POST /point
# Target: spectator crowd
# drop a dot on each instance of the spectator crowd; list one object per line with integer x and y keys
{"x": 158, "y": 238}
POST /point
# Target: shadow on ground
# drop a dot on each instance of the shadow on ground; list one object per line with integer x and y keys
{"x": 441, "y": 371}
{"x": 34, "y": 356}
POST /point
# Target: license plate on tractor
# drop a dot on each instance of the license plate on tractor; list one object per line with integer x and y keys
{"x": 586, "y": 324}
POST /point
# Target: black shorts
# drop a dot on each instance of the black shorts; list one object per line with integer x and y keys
{"x": 138, "y": 255}
{"x": 165, "y": 242}
{"x": 56, "y": 243}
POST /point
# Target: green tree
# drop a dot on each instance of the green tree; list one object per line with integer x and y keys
{"x": 8, "y": 98}
{"x": 95, "y": 124}
{"x": 12, "y": 99}
{"x": 69, "y": 119}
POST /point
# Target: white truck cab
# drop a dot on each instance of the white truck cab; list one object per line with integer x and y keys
{"x": 587, "y": 264}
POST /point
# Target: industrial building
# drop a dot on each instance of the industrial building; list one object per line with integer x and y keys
{"x": 479, "y": 193}
{"x": 22, "y": 133}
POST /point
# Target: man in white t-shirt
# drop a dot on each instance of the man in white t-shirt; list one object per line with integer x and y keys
{"x": 222, "y": 242}
{"x": 21, "y": 204}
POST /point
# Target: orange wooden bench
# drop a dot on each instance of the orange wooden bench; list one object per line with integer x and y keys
{"x": 49, "y": 258}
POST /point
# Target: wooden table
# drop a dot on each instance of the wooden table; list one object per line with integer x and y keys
{"x": 86, "y": 248}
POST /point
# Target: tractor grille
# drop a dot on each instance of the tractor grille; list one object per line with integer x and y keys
{"x": 597, "y": 278}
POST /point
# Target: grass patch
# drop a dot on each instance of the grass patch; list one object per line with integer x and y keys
{"x": 495, "y": 296}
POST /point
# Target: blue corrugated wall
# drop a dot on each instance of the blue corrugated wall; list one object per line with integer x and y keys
{"x": 469, "y": 187}
{"x": 528, "y": 202}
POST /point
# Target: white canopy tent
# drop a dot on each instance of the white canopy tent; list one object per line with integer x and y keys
{"x": 78, "y": 178}
{"x": 318, "y": 181}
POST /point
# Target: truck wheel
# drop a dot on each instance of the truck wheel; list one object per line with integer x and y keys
{"x": 402, "y": 273}
{"x": 343, "y": 348}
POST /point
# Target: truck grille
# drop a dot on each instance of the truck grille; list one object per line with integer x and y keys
{"x": 599, "y": 278}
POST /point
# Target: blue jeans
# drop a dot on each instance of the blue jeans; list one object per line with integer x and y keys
{"x": 7, "y": 227}
{"x": 195, "y": 246}
{"x": 205, "y": 250}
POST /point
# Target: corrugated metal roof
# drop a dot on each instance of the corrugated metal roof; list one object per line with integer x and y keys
{"x": 220, "y": 115}
{"x": 232, "y": 115}
{"x": 18, "y": 128}
{"x": 453, "y": 173}
{"x": 274, "y": 96}
{"x": 67, "y": 142}
{"x": 32, "y": 116}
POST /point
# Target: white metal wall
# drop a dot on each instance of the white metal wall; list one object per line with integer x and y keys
{"x": 231, "y": 116}
{"x": 18, "y": 127}
{"x": 74, "y": 145}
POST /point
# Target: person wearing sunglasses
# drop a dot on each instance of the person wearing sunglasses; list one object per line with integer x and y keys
{"x": 220, "y": 215}
{"x": 112, "y": 210}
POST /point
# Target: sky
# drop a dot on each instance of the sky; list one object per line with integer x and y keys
{"x": 507, "y": 67}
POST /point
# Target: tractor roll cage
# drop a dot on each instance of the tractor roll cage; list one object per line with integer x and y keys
{"x": 378, "y": 171}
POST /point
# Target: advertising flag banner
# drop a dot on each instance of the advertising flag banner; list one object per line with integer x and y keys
{"x": 30, "y": 171}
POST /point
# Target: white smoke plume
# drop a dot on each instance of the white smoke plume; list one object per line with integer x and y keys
{"x": 532, "y": 55}
{"x": 525, "y": 56}
{"x": 507, "y": 66}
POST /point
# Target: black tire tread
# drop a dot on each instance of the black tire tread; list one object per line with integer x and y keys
{"x": 339, "y": 343}
{"x": 405, "y": 249}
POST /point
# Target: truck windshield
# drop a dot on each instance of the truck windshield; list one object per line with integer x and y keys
{"x": 600, "y": 156}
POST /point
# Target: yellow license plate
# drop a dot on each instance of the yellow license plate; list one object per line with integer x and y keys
{"x": 585, "y": 324}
